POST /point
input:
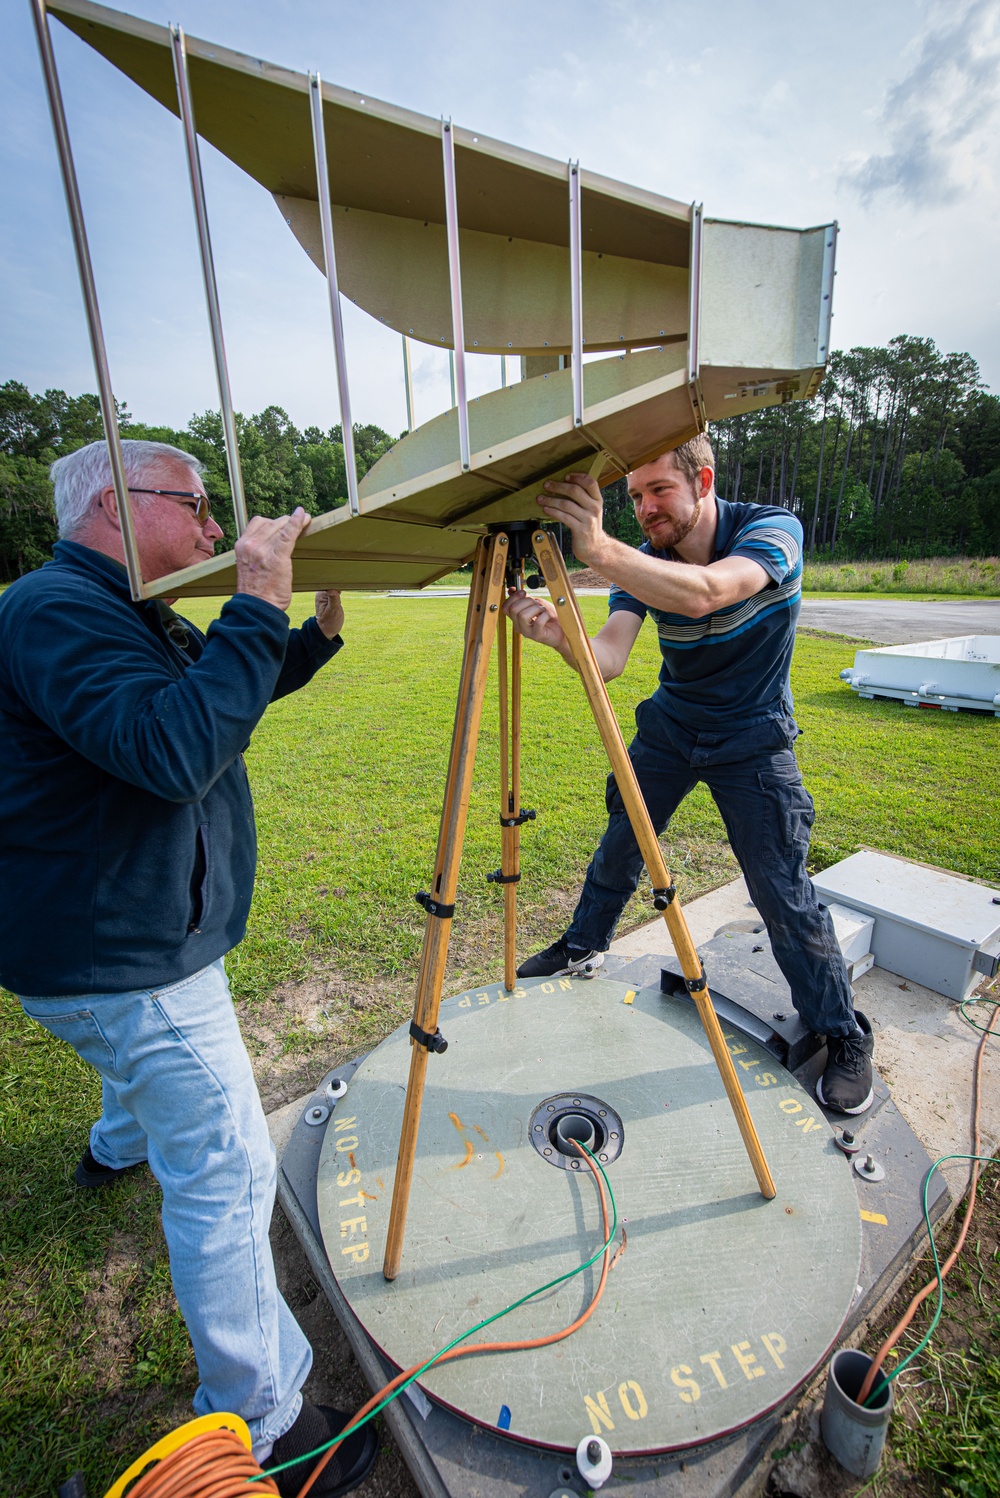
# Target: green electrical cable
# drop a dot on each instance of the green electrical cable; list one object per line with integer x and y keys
{"x": 570, "y": 1273}
{"x": 887, "y": 1379}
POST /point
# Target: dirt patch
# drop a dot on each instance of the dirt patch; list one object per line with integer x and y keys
{"x": 586, "y": 577}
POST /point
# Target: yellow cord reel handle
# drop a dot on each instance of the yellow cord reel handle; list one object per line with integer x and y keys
{"x": 178, "y": 1438}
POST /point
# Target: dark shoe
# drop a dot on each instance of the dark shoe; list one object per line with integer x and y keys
{"x": 846, "y": 1083}
{"x": 91, "y": 1172}
{"x": 560, "y": 960}
{"x": 349, "y": 1465}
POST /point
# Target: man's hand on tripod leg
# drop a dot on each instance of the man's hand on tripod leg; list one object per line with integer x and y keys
{"x": 535, "y": 618}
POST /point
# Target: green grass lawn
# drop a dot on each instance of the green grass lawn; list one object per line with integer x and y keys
{"x": 348, "y": 777}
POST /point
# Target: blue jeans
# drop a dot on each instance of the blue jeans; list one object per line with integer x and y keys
{"x": 755, "y": 782}
{"x": 179, "y": 1092}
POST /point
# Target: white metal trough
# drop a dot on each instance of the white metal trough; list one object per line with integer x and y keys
{"x": 963, "y": 672}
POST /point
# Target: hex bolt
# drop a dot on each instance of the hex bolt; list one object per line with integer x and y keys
{"x": 778, "y": 1015}
{"x": 849, "y": 1139}
{"x": 593, "y": 1453}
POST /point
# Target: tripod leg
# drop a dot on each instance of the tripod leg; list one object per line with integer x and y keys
{"x": 513, "y": 868}
{"x": 508, "y": 809}
{"x": 484, "y": 605}
{"x": 568, "y": 610}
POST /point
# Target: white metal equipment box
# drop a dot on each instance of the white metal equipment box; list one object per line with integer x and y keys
{"x": 950, "y": 674}
{"x": 936, "y": 928}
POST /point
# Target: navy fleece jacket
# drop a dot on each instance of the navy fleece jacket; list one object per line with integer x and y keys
{"x": 127, "y": 843}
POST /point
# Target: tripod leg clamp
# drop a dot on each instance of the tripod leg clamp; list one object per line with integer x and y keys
{"x": 434, "y": 907}
{"x": 430, "y": 1042}
{"x": 499, "y": 877}
{"x": 696, "y": 985}
{"x": 522, "y": 816}
{"x": 664, "y": 897}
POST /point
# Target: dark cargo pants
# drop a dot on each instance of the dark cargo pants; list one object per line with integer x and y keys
{"x": 756, "y": 783}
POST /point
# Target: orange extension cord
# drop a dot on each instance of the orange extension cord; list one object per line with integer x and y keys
{"x": 218, "y": 1465}
{"x": 932, "y": 1284}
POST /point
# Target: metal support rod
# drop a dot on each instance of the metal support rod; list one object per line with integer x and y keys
{"x": 408, "y": 383}
{"x": 460, "y": 393}
{"x": 89, "y": 289}
{"x": 694, "y": 295}
{"x": 569, "y": 616}
{"x": 451, "y": 376}
{"x": 186, "y": 105}
{"x": 330, "y": 265}
{"x": 503, "y": 371}
{"x": 576, "y": 288}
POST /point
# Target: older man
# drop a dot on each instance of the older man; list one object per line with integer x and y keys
{"x": 722, "y": 583}
{"x": 127, "y": 856}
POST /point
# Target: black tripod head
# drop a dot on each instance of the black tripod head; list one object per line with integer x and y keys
{"x": 519, "y": 550}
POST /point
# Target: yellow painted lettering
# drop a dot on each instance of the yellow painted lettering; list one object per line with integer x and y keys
{"x": 340, "y": 1124}
{"x": 358, "y": 1252}
{"x": 767, "y": 1079}
{"x": 737, "y": 1050}
{"x": 349, "y": 1142}
{"x": 520, "y": 993}
{"x": 790, "y": 1106}
{"x": 348, "y": 1177}
{"x": 713, "y": 1359}
{"x": 747, "y": 1361}
{"x": 641, "y": 1409}
{"x": 482, "y": 998}
{"x": 350, "y": 1225}
{"x": 353, "y": 1201}
{"x": 599, "y": 1413}
{"x": 776, "y": 1345}
{"x": 689, "y": 1390}
{"x": 548, "y": 988}
{"x": 806, "y": 1124}
{"x": 748, "y": 1065}
{"x": 565, "y": 982}
{"x": 465, "y": 1003}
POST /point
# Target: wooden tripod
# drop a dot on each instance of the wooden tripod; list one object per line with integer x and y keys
{"x": 485, "y": 599}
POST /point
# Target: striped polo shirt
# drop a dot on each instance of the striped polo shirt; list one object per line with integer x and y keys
{"x": 731, "y": 667}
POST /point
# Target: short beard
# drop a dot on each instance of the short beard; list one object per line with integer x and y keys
{"x": 680, "y": 530}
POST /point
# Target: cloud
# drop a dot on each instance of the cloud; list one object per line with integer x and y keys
{"x": 939, "y": 119}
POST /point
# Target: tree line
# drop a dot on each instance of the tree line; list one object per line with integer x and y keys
{"x": 897, "y": 456}
{"x": 282, "y": 467}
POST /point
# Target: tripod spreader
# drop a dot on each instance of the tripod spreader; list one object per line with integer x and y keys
{"x": 663, "y": 897}
{"x": 499, "y": 877}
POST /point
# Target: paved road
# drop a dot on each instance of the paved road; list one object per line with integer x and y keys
{"x": 887, "y": 621}
{"x": 897, "y": 621}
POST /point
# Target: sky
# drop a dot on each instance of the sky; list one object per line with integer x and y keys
{"x": 882, "y": 114}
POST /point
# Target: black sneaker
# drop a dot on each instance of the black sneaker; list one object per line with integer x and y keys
{"x": 349, "y": 1465}
{"x": 846, "y": 1083}
{"x": 92, "y": 1173}
{"x": 560, "y": 960}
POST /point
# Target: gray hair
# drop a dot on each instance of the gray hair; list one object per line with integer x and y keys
{"x": 79, "y": 477}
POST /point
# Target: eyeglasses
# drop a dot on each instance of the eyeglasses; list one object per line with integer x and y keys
{"x": 201, "y": 506}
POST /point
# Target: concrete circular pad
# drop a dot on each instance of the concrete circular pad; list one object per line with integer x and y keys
{"x": 720, "y": 1304}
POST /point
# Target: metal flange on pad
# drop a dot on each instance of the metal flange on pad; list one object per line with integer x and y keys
{"x": 719, "y": 1305}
